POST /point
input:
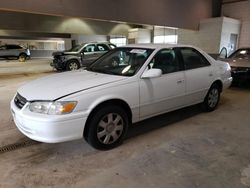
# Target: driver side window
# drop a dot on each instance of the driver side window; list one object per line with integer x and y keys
{"x": 165, "y": 60}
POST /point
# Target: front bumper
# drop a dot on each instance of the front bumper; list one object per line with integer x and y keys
{"x": 240, "y": 74}
{"x": 48, "y": 128}
{"x": 57, "y": 64}
{"x": 227, "y": 83}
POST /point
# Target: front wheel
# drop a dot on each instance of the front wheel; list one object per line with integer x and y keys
{"x": 212, "y": 99}
{"x": 22, "y": 57}
{"x": 72, "y": 65}
{"x": 107, "y": 127}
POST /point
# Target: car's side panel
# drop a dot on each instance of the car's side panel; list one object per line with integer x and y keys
{"x": 161, "y": 94}
{"x": 3, "y": 53}
{"x": 127, "y": 91}
{"x": 198, "y": 82}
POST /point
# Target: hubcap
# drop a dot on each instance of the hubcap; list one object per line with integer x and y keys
{"x": 110, "y": 128}
{"x": 213, "y": 97}
{"x": 73, "y": 66}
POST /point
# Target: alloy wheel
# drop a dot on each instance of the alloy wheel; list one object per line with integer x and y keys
{"x": 73, "y": 66}
{"x": 213, "y": 97}
{"x": 110, "y": 128}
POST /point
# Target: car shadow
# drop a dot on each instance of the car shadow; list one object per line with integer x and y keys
{"x": 163, "y": 120}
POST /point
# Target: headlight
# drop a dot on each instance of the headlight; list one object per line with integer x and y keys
{"x": 52, "y": 108}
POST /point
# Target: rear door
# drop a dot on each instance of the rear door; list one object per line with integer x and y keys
{"x": 161, "y": 94}
{"x": 199, "y": 74}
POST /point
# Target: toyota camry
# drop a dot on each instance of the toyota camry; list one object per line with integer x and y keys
{"x": 126, "y": 85}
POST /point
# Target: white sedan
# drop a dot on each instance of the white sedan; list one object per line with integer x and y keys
{"x": 124, "y": 86}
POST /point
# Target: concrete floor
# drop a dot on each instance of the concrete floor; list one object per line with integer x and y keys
{"x": 182, "y": 149}
{"x": 31, "y": 66}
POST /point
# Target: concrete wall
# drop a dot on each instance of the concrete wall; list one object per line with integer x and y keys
{"x": 88, "y": 38}
{"x": 181, "y": 13}
{"x": 207, "y": 38}
{"x": 229, "y": 26}
{"x": 240, "y": 11}
{"x": 213, "y": 35}
{"x": 139, "y": 36}
{"x": 41, "y": 53}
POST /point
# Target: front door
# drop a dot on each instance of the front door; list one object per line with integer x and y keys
{"x": 165, "y": 93}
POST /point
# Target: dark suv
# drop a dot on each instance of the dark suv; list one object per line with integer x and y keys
{"x": 14, "y": 51}
{"x": 80, "y": 55}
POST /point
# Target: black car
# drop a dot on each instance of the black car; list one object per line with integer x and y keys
{"x": 80, "y": 55}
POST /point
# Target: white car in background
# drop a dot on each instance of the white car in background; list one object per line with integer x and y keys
{"x": 126, "y": 85}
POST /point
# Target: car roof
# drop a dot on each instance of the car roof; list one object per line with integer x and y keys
{"x": 157, "y": 46}
{"x": 105, "y": 42}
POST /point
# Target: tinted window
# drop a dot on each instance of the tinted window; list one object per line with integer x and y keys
{"x": 102, "y": 47}
{"x": 90, "y": 48}
{"x": 2, "y": 47}
{"x": 193, "y": 59}
{"x": 13, "y": 47}
{"x": 165, "y": 60}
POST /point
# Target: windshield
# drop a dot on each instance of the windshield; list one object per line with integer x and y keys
{"x": 75, "y": 48}
{"x": 121, "y": 61}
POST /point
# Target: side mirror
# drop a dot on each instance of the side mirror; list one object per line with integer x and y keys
{"x": 152, "y": 73}
{"x": 223, "y": 53}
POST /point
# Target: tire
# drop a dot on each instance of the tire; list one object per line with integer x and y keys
{"x": 72, "y": 65}
{"x": 212, "y": 98}
{"x": 107, "y": 127}
{"x": 22, "y": 57}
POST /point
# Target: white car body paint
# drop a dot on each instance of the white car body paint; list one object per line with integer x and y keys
{"x": 145, "y": 97}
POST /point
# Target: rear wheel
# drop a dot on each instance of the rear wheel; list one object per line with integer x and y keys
{"x": 22, "y": 57}
{"x": 107, "y": 127}
{"x": 72, "y": 65}
{"x": 212, "y": 99}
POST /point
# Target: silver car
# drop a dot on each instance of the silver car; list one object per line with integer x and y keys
{"x": 14, "y": 51}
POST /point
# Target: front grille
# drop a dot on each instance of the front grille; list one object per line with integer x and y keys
{"x": 20, "y": 101}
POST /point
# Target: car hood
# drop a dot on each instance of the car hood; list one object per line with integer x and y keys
{"x": 64, "y": 84}
{"x": 238, "y": 62}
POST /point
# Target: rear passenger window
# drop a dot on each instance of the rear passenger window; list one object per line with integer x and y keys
{"x": 14, "y": 47}
{"x": 102, "y": 47}
{"x": 193, "y": 59}
{"x": 112, "y": 46}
